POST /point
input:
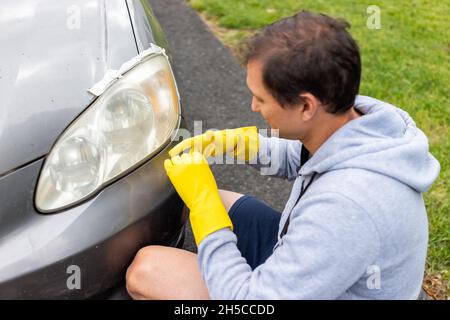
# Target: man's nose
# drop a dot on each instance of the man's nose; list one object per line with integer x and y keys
{"x": 255, "y": 105}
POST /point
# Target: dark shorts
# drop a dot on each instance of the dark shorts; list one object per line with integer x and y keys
{"x": 256, "y": 227}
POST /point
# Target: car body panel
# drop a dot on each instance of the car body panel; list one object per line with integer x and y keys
{"x": 36, "y": 249}
{"x": 143, "y": 20}
{"x": 36, "y": 69}
{"x": 46, "y": 68}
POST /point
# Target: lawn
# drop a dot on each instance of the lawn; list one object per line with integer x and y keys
{"x": 406, "y": 62}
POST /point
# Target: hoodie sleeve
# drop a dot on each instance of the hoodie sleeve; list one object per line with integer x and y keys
{"x": 326, "y": 250}
{"x": 278, "y": 157}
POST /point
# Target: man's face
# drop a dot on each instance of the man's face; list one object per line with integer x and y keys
{"x": 286, "y": 120}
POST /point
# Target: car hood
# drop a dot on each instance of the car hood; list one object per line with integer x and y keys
{"x": 51, "y": 53}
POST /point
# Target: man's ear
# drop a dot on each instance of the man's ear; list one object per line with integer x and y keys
{"x": 309, "y": 106}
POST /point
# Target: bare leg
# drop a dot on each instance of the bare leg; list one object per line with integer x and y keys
{"x": 165, "y": 273}
{"x": 229, "y": 198}
{"x": 159, "y": 272}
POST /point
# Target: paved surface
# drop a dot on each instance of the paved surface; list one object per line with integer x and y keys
{"x": 213, "y": 89}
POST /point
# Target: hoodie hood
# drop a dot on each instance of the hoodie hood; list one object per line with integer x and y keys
{"x": 384, "y": 140}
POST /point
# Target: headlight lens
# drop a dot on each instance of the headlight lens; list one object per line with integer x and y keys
{"x": 125, "y": 126}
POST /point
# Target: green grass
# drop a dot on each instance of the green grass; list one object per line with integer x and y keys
{"x": 406, "y": 62}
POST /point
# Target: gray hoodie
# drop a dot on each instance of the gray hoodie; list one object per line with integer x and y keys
{"x": 359, "y": 232}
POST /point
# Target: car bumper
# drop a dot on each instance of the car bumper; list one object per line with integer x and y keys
{"x": 83, "y": 251}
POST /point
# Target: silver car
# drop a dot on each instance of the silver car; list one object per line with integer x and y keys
{"x": 89, "y": 107}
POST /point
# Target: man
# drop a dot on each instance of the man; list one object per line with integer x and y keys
{"x": 355, "y": 225}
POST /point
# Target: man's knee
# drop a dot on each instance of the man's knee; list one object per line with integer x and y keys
{"x": 141, "y": 271}
{"x": 229, "y": 198}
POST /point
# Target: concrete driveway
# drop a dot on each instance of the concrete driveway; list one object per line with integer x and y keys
{"x": 213, "y": 89}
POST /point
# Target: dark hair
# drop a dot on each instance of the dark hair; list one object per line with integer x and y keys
{"x": 309, "y": 52}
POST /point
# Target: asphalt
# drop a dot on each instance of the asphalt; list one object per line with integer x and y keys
{"x": 213, "y": 89}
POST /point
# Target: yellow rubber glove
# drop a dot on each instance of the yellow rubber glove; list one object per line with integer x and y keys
{"x": 242, "y": 143}
{"x": 193, "y": 180}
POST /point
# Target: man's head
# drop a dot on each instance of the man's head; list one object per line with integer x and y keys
{"x": 301, "y": 69}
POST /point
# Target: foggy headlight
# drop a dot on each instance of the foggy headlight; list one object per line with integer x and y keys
{"x": 125, "y": 126}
